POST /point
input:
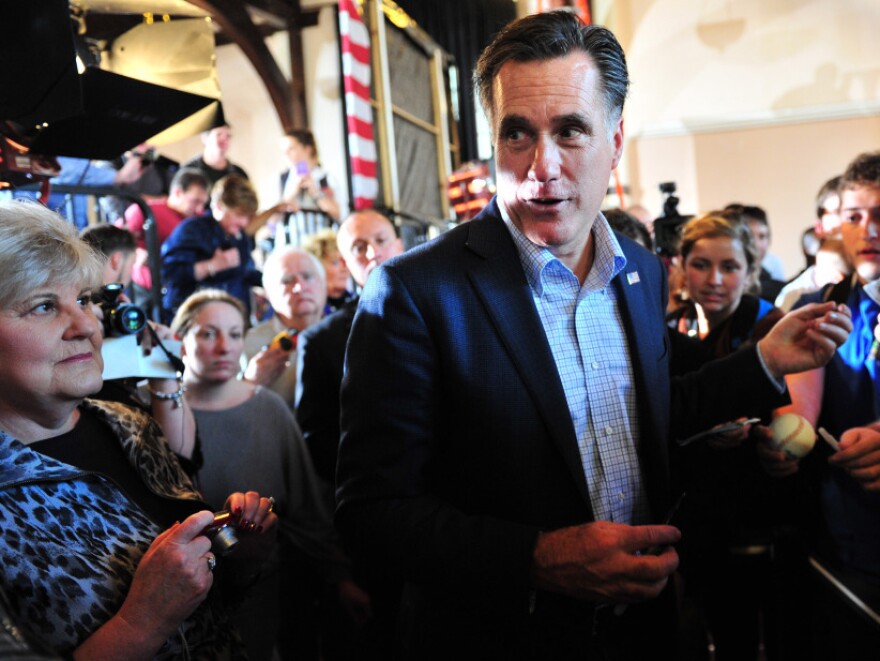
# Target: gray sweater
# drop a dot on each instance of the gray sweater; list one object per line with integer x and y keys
{"x": 257, "y": 446}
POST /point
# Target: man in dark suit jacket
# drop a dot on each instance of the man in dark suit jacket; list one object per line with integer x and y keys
{"x": 320, "y": 355}
{"x": 365, "y": 240}
{"x": 474, "y": 459}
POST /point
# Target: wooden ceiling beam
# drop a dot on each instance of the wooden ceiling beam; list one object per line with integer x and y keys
{"x": 285, "y": 10}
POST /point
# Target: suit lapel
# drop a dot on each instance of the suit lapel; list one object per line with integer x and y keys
{"x": 635, "y": 308}
{"x": 498, "y": 279}
{"x": 638, "y": 298}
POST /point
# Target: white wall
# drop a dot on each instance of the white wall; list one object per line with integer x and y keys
{"x": 695, "y": 63}
{"x": 757, "y": 101}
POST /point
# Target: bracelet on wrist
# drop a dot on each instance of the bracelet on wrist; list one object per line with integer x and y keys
{"x": 174, "y": 397}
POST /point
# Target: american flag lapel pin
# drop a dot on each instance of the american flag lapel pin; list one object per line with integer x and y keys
{"x": 633, "y": 278}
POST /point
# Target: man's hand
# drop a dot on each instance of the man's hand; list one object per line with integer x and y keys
{"x": 266, "y": 366}
{"x": 285, "y": 206}
{"x": 226, "y": 259}
{"x": 805, "y": 338}
{"x": 859, "y": 455}
{"x": 355, "y": 602}
{"x": 774, "y": 462}
{"x": 730, "y": 439}
{"x": 130, "y": 171}
{"x": 603, "y": 562}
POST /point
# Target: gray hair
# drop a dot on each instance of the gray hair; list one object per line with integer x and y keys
{"x": 272, "y": 267}
{"x": 39, "y": 247}
{"x": 548, "y": 36}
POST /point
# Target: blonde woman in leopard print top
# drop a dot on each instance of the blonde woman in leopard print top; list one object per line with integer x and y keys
{"x": 101, "y": 547}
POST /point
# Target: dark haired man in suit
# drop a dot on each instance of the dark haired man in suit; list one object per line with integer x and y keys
{"x": 507, "y": 402}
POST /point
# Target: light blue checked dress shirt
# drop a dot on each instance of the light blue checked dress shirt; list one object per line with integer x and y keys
{"x": 585, "y": 331}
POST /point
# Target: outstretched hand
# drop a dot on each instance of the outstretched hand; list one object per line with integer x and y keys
{"x": 805, "y": 338}
{"x": 605, "y": 562}
{"x": 727, "y": 440}
{"x": 859, "y": 455}
{"x": 264, "y": 368}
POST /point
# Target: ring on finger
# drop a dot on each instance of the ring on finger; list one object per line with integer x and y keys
{"x": 271, "y": 504}
{"x": 212, "y": 561}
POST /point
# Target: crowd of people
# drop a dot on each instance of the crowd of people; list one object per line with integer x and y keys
{"x": 512, "y": 442}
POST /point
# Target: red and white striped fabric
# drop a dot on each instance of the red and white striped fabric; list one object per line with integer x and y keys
{"x": 358, "y": 112}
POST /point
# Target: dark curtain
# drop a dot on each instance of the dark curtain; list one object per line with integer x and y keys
{"x": 462, "y": 28}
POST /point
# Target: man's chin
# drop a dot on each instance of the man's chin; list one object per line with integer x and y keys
{"x": 868, "y": 270}
{"x": 306, "y": 312}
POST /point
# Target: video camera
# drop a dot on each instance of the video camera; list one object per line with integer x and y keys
{"x": 120, "y": 318}
{"x": 667, "y": 228}
{"x": 148, "y": 156}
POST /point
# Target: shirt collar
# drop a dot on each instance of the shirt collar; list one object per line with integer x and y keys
{"x": 866, "y": 305}
{"x": 608, "y": 262}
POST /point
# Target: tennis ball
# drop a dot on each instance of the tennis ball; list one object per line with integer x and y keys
{"x": 793, "y": 434}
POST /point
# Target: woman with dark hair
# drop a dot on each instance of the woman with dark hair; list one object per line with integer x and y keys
{"x": 306, "y": 185}
{"x": 628, "y": 225}
{"x": 103, "y": 551}
{"x": 308, "y": 196}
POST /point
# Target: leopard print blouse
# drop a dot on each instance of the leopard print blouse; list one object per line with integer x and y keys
{"x": 70, "y": 541}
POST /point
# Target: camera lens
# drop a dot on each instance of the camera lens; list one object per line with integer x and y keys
{"x": 128, "y": 319}
{"x": 221, "y": 532}
{"x": 223, "y": 540}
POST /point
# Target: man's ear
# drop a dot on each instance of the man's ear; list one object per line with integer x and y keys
{"x": 116, "y": 259}
{"x": 617, "y": 143}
